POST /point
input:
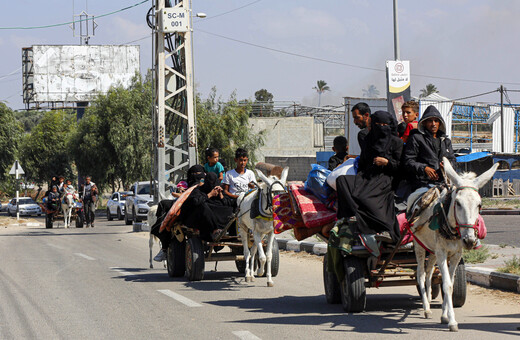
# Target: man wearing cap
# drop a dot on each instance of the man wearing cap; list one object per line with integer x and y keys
{"x": 426, "y": 146}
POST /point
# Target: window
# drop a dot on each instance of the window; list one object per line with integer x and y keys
{"x": 503, "y": 166}
{"x": 515, "y": 165}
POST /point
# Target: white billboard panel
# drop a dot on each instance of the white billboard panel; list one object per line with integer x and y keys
{"x": 69, "y": 73}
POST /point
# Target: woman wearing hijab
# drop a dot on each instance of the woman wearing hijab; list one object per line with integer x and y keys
{"x": 369, "y": 195}
{"x": 205, "y": 208}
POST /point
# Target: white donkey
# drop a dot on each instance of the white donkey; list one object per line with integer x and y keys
{"x": 447, "y": 242}
{"x": 259, "y": 227}
{"x": 67, "y": 204}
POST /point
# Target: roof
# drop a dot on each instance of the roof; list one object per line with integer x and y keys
{"x": 436, "y": 97}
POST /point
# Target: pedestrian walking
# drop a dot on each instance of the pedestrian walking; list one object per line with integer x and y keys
{"x": 89, "y": 195}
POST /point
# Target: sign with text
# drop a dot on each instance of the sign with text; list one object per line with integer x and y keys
{"x": 174, "y": 19}
{"x": 398, "y": 86}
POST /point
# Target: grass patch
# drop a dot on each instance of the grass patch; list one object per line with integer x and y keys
{"x": 511, "y": 266}
{"x": 476, "y": 255}
{"x": 500, "y": 203}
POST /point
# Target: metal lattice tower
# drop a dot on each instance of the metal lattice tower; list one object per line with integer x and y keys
{"x": 174, "y": 139}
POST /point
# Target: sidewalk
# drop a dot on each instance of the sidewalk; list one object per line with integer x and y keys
{"x": 484, "y": 274}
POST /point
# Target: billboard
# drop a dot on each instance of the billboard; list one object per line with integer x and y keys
{"x": 73, "y": 73}
{"x": 398, "y": 86}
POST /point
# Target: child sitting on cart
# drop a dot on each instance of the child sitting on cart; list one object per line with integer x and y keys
{"x": 53, "y": 200}
{"x": 240, "y": 179}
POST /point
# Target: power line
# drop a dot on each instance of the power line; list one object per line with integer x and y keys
{"x": 11, "y": 73}
{"x": 230, "y": 11}
{"x": 351, "y": 65}
{"x": 70, "y": 22}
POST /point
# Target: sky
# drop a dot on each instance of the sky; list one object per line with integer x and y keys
{"x": 471, "y": 42}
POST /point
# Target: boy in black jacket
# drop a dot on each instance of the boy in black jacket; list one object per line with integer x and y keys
{"x": 423, "y": 153}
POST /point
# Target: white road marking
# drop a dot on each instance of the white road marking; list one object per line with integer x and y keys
{"x": 84, "y": 256}
{"x": 122, "y": 271}
{"x": 180, "y": 298}
{"x": 245, "y": 335}
{"x": 55, "y": 246}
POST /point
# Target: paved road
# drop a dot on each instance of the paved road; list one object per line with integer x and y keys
{"x": 96, "y": 284}
{"x": 503, "y": 229}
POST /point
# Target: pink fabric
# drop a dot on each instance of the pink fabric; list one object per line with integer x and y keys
{"x": 283, "y": 216}
{"x": 481, "y": 228}
{"x": 401, "y": 218}
{"x": 314, "y": 213}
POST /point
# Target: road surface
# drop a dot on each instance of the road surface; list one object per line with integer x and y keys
{"x": 96, "y": 284}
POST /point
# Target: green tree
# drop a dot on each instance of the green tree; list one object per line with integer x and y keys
{"x": 263, "y": 105}
{"x": 113, "y": 140}
{"x": 10, "y": 137}
{"x": 428, "y": 89}
{"x": 225, "y": 126}
{"x": 371, "y": 92}
{"x": 44, "y": 152}
{"x": 321, "y": 86}
{"x": 29, "y": 119}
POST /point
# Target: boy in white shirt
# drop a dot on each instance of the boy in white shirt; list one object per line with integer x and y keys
{"x": 239, "y": 179}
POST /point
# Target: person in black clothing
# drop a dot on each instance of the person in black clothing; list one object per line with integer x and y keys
{"x": 361, "y": 116}
{"x": 206, "y": 209}
{"x": 369, "y": 195}
{"x": 194, "y": 176}
{"x": 425, "y": 148}
{"x": 53, "y": 200}
{"x": 340, "y": 148}
{"x": 88, "y": 195}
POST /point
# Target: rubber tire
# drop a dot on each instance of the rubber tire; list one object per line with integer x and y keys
{"x": 241, "y": 266}
{"x": 436, "y": 289}
{"x": 275, "y": 261}
{"x": 176, "y": 258}
{"x": 194, "y": 259}
{"x": 79, "y": 221}
{"x": 353, "y": 291}
{"x": 459, "y": 285}
{"x": 109, "y": 216}
{"x": 48, "y": 221}
{"x": 127, "y": 221}
{"x": 9, "y": 213}
{"x": 331, "y": 285}
{"x": 134, "y": 217}
{"x": 119, "y": 215}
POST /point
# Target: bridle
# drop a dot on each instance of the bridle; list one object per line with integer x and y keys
{"x": 461, "y": 225}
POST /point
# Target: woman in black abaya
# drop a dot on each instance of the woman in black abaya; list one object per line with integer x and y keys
{"x": 205, "y": 209}
{"x": 369, "y": 195}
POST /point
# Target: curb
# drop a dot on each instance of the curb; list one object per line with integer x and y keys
{"x": 499, "y": 212}
{"x": 478, "y": 275}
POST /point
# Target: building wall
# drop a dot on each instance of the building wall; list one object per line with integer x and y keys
{"x": 287, "y": 136}
{"x": 299, "y": 166}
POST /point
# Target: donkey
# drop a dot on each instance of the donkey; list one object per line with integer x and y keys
{"x": 259, "y": 227}
{"x": 457, "y": 231}
{"x": 67, "y": 205}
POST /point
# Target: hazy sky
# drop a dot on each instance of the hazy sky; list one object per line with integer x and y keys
{"x": 460, "y": 39}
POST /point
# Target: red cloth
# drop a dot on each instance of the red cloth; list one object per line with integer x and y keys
{"x": 175, "y": 210}
{"x": 314, "y": 213}
{"x": 409, "y": 128}
{"x": 481, "y": 228}
{"x": 283, "y": 216}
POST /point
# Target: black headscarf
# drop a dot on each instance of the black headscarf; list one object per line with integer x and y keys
{"x": 195, "y": 174}
{"x": 210, "y": 182}
{"x": 380, "y": 136}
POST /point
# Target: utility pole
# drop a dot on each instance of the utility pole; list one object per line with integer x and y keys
{"x": 397, "y": 54}
{"x": 502, "y": 139}
{"x": 175, "y": 145}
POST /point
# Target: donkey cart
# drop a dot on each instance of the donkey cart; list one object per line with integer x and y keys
{"x": 395, "y": 267}
{"x": 52, "y": 216}
{"x": 188, "y": 252}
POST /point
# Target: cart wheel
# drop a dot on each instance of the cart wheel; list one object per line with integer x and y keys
{"x": 459, "y": 285}
{"x": 48, "y": 221}
{"x": 79, "y": 221}
{"x": 176, "y": 258}
{"x": 331, "y": 283}
{"x": 241, "y": 266}
{"x": 275, "y": 261}
{"x": 353, "y": 292}
{"x": 194, "y": 259}
{"x": 119, "y": 215}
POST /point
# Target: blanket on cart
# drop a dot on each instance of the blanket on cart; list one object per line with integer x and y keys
{"x": 284, "y": 218}
{"x": 314, "y": 213}
{"x": 175, "y": 210}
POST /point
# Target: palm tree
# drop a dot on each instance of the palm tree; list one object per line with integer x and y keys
{"x": 429, "y": 89}
{"x": 371, "y": 92}
{"x": 320, "y": 88}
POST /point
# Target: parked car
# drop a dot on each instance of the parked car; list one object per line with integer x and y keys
{"x": 116, "y": 205}
{"x": 138, "y": 202}
{"x": 27, "y": 205}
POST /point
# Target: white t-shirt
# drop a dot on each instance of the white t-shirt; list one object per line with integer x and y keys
{"x": 239, "y": 182}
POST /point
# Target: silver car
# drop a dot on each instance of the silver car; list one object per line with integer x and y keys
{"x": 116, "y": 205}
{"x": 27, "y": 205}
